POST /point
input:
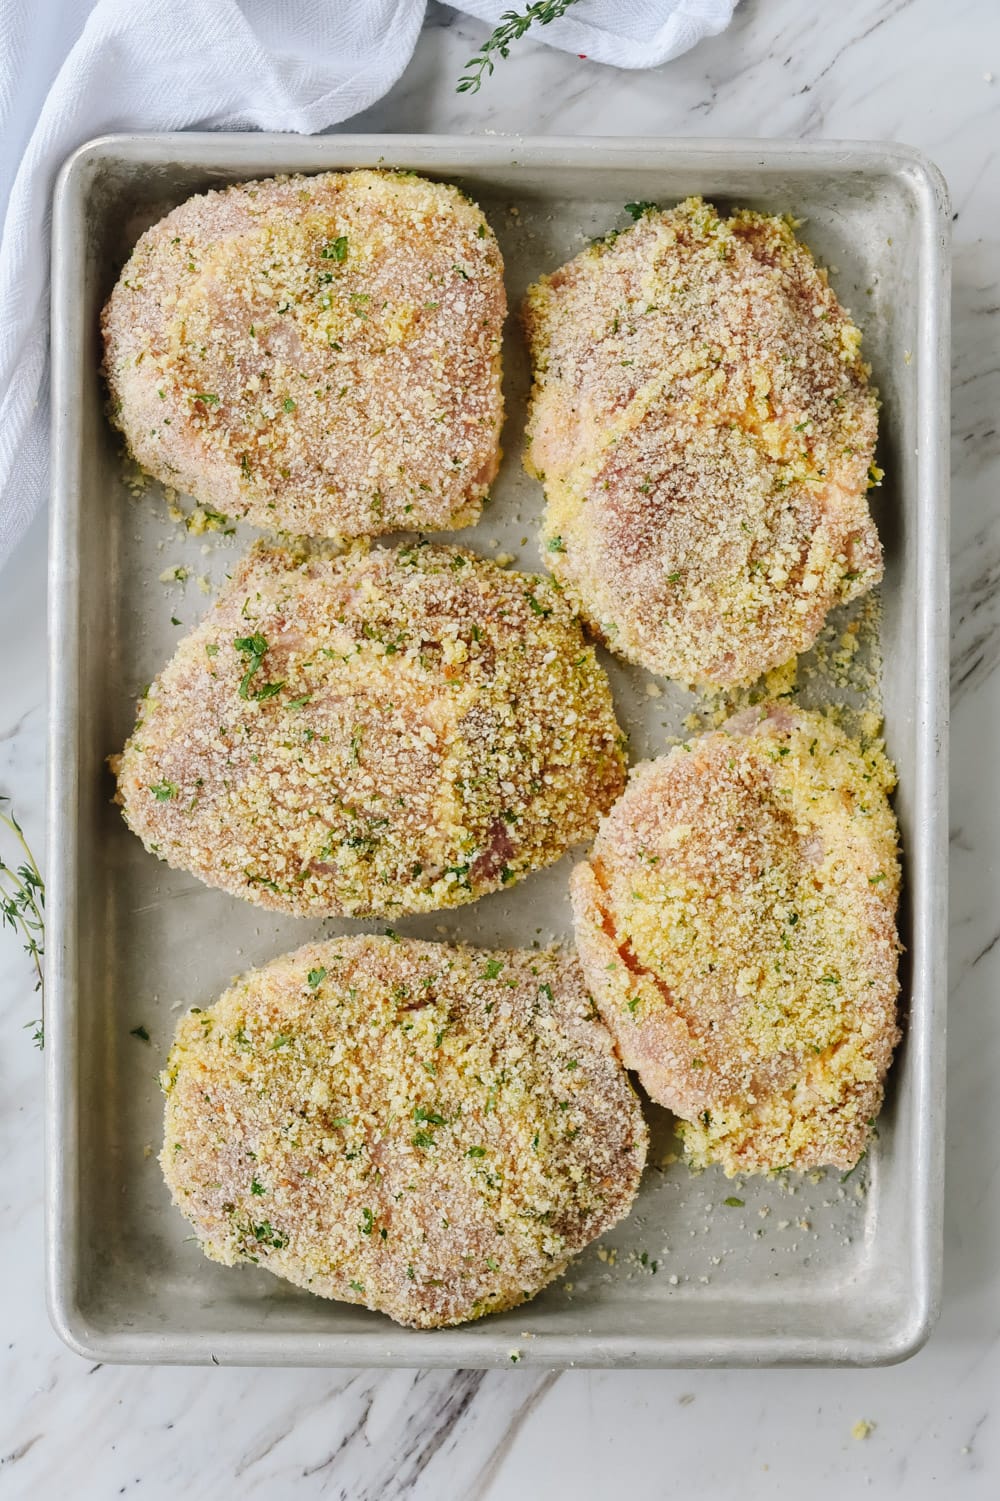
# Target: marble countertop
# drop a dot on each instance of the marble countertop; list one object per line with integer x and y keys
{"x": 908, "y": 70}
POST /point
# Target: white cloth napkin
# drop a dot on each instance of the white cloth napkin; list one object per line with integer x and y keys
{"x": 73, "y": 69}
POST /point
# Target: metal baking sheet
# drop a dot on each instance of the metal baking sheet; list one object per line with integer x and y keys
{"x": 812, "y": 1270}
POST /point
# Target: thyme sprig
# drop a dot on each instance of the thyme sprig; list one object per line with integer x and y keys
{"x": 22, "y": 908}
{"x": 513, "y": 25}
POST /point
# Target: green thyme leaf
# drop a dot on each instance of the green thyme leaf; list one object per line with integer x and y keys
{"x": 512, "y": 27}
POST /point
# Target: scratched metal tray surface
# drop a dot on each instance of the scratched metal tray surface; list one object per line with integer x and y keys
{"x": 705, "y": 1271}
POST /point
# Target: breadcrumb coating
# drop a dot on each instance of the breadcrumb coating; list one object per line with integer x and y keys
{"x": 736, "y": 923}
{"x": 428, "y": 1131}
{"x": 387, "y": 731}
{"x": 319, "y": 355}
{"x": 703, "y": 424}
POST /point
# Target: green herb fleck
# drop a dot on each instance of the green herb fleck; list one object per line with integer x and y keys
{"x": 254, "y": 649}
{"x": 269, "y": 1236}
{"x": 421, "y": 1113}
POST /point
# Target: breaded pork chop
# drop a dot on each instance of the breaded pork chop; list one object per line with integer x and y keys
{"x": 704, "y": 428}
{"x": 386, "y": 731}
{"x": 429, "y": 1131}
{"x": 736, "y": 923}
{"x": 319, "y": 355}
